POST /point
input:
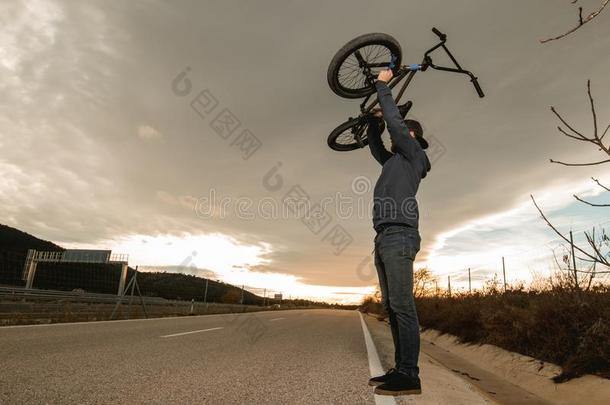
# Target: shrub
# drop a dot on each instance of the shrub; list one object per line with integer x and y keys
{"x": 567, "y": 327}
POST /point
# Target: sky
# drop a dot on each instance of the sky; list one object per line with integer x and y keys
{"x": 109, "y": 135}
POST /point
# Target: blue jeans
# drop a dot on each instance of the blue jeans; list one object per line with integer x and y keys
{"x": 395, "y": 250}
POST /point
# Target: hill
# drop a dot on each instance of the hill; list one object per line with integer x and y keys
{"x": 104, "y": 278}
{"x": 14, "y": 245}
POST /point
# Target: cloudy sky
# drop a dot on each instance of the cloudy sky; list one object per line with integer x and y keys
{"x": 108, "y": 138}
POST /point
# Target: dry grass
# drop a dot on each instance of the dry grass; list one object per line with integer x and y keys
{"x": 555, "y": 322}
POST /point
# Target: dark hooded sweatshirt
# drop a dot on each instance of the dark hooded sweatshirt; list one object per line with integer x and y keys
{"x": 394, "y": 196}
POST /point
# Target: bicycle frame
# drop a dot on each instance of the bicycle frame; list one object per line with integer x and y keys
{"x": 408, "y": 72}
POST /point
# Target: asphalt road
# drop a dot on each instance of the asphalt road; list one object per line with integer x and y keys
{"x": 283, "y": 357}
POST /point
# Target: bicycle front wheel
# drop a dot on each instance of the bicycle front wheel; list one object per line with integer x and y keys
{"x": 346, "y": 73}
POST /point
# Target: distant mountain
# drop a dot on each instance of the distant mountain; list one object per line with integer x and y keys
{"x": 14, "y": 245}
{"x": 104, "y": 278}
{"x": 15, "y": 240}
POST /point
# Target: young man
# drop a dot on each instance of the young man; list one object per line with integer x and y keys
{"x": 395, "y": 218}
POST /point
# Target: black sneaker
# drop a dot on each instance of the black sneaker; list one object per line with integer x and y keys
{"x": 400, "y": 384}
{"x": 375, "y": 381}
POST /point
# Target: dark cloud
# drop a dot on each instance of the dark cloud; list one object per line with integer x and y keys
{"x": 96, "y": 145}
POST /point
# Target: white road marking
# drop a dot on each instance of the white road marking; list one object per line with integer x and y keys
{"x": 374, "y": 363}
{"x": 165, "y": 318}
{"x": 193, "y": 331}
{"x": 275, "y": 319}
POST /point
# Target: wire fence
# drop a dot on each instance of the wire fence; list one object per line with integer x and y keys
{"x": 101, "y": 278}
{"x": 94, "y": 274}
{"x": 11, "y": 267}
{"x": 19, "y": 305}
{"x": 518, "y": 267}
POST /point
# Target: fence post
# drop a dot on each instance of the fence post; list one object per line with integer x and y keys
{"x": 504, "y": 273}
{"x": 574, "y": 261}
{"x": 205, "y": 295}
{"x": 31, "y": 273}
{"x": 124, "y": 269}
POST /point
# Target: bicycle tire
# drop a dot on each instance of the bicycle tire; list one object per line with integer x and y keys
{"x": 351, "y": 124}
{"x": 361, "y": 88}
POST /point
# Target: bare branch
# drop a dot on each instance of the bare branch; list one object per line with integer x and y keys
{"x": 566, "y": 124}
{"x": 592, "y": 204}
{"x": 580, "y": 164}
{"x": 589, "y": 203}
{"x": 600, "y": 256}
{"x": 605, "y": 131}
{"x": 578, "y": 138}
{"x": 600, "y": 184}
{"x": 595, "y": 134}
{"x": 559, "y": 233}
{"x": 595, "y": 139}
{"x": 581, "y": 21}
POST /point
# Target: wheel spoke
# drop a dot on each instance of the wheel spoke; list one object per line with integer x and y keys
{"x": 347, "y": 137}
{"x": 351, "y": 76}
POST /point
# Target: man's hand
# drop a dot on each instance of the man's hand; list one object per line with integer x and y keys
{"x": 377, "y": 112}
{"x": 385, "y": 75}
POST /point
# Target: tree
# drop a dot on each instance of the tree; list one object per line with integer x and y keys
{"x": 581, "y": 21}
{"x": 596, "y": 251}
{"x": 232, "y": 296}
{"x": 423, "y": 283}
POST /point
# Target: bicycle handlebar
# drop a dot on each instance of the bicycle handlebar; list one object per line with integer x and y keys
{"x": 442, "y": 36}
{"x": 477, "y": 86}
{"x": 427, "y": 63}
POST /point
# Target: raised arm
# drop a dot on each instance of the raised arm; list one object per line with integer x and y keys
{"x": 401, "y": 139}
{"x": 373, "y": 134}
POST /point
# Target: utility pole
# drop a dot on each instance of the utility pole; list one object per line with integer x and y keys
{"x": 449, "y": 285}
{"x": 205, "y": 295}
{"x": 504, "y": 273}
{"x": 242, "y": 295}
{"x": 469, "y": 282}
{"x": 264, "y": 297}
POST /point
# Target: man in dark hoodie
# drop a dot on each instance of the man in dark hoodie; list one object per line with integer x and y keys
{"x": 395, "y": 219}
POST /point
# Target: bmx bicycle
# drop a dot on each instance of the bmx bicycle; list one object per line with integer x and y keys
{"x": 352, "y": 72}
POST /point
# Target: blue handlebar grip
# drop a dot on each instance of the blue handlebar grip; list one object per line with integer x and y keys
{"x": 414, "y": 66}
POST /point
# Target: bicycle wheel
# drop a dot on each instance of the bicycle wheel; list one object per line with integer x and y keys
{"x": 346, "y": 76}
{"x": 343, "y": 138}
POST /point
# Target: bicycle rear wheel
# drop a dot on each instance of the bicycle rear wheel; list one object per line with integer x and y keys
{"x": 344, "y": 137}
{"x": 346, "y": 72}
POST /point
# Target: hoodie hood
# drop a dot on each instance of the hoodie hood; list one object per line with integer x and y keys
{"x": 427, "y": 166}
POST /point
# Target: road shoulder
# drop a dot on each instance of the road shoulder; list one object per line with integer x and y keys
{"x": 439, "y": 385}
{"x": 527, "y": 374}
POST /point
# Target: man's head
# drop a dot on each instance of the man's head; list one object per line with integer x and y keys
{"x": 417, "y": 132}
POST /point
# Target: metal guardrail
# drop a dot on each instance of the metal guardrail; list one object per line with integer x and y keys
{"x": 12, "y": 293}
{"x": 20, "y": 292}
